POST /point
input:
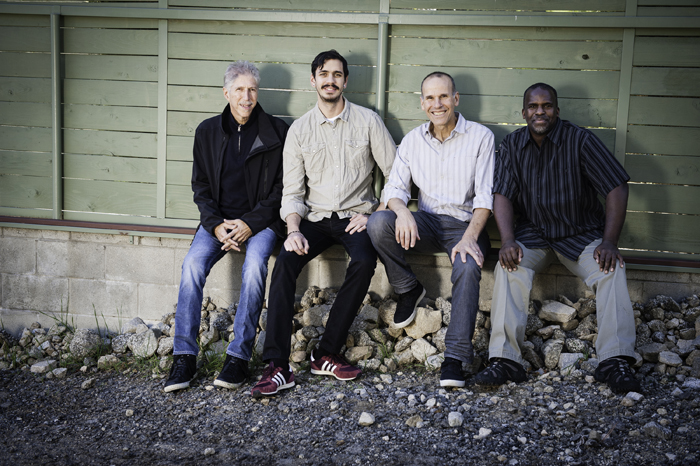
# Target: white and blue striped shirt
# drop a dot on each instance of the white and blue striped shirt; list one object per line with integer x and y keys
{"x": 454, "y": 177}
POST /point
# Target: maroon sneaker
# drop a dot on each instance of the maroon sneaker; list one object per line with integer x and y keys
{"x": 273, "y": 380}
{"x": 334, "y": 365}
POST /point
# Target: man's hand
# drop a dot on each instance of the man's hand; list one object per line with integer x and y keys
{"x": 297, "y": 242}
{"x": 224, "y": 235}
{"x": 358, "y": 222}
{"x": 241, "y": 231}
{"x": 510, "y": 255}
{"x": 468, "y": 246}
{"x": 406, "y": 229}
{"x": 605, "y": 255}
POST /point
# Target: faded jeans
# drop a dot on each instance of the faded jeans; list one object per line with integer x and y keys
{"x": 204, "y": 252}
{"x": 437, "y": 233}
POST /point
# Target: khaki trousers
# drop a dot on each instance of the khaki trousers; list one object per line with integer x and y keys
{"x": 511, "y": 296}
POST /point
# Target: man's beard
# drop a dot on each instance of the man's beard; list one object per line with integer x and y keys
{"x": 333, "y": 99}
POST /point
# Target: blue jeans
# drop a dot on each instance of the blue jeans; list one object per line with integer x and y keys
{"x": 437, "y": 233}
{"x": 204, "y": 252}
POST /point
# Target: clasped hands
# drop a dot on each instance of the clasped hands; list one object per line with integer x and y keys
{"x": 232, "y": 234}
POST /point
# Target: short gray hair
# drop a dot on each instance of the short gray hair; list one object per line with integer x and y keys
{"x": 239, "y": 68}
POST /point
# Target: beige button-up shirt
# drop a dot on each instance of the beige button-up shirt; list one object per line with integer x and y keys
{"x": 328, "y": 166}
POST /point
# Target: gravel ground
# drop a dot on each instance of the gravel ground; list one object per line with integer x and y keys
{"x": 125, "y": 418}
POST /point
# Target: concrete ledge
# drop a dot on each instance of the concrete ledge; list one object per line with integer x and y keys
{"x": 79, "y": 275}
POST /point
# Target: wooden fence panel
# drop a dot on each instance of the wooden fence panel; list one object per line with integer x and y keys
{"x": 110, "y": 197}
{"x": 366, "y": 6}
{"x": 520, "y": 7}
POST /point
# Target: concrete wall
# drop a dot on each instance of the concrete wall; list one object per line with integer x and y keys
{"x": 78, "y": 277}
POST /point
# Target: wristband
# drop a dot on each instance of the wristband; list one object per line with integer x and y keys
{"x": 291, "y": 232}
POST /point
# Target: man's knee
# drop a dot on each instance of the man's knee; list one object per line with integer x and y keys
{"x": 381, "y": 223}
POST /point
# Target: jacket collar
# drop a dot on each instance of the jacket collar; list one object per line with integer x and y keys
{"x": 266, "y": 139}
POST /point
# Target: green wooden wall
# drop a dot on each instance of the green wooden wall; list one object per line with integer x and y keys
{"x": 136, "y": 78}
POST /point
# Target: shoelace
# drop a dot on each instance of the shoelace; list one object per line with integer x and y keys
{"x": 180, "y": 367}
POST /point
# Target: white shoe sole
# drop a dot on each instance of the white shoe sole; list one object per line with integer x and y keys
{"x": 230, "y": 386}
{"x": 177, "y": 386}
{"x": 453, "y": 383}
{"x": 260, "y": 394}
{"x": 408, "y": 321}
{"x": 318, "y": 372}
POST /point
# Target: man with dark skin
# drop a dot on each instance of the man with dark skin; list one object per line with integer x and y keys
{"x": 550, "y": 174}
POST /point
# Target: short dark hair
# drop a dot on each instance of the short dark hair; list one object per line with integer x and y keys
{"x": 439, "y": 74}
{"x": 544, "y": 86}
{"x": 323, "y": 57}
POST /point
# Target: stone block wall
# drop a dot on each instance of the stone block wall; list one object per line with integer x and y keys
{"x": 92, "y": 279}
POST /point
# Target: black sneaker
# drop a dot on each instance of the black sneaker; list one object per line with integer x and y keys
{"x": 451, "y": 373}
{"x": 499, "y": 372}
{"x": 233, "y": 374}
{"x": 406, "y": 306}
{"x": 618, "y": 374}
{"x": 181, "y": 374}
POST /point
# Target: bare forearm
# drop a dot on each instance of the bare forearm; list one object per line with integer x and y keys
{"x": 293, "y": 221}
{"x": 503, "y": 211}
{"x": 396, "y": 205}
{"x": 477, "y": 223}
{"x": 615, "y": 211}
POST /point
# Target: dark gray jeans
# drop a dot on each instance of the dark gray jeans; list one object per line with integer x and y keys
{"x": 437, "y": 233}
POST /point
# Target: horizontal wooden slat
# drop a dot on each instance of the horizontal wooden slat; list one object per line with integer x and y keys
{"x": 682, "y": 82}
{"x": 112, "y": 67}
{"x": 179, "y": 203}
{"x": 25, "y": 20}
{"x": 37, "y": 65}
{"x": 516, "y": 6}
{"x": 15, "y": 89}
{"x": 664, "y": 2}
{"x": 667, "y": 111}
{"x": 146, "y": 222}
{"x": 107, "y": 168}
{"x": 110, "y": 118}
{"x": 356, "y": 31}
{"x": 665, "y": 198}
{"x": 26, "y": 163}
{"x": 293, "y": 5}
{"x": 496, "y": 109}
{"x": 294, "y": 104}
{"x": 25, "y": 39}
{"x": 117, "y": 143}
{"x": 507, "y": 81}
{"x": 503, "y": 33}
{"x": 110, "y": 197}
{"x": 665, "y": 140}
{"x": 660, "y": 232}
{"x": 111, "y": 41}
{"x": 35, "y": 139}
{"x": 124, "y": 93}
{"x": 662, "y": 32}
{"x": 27, "y": 192}
{"x": 508, "y": 54}
{"x": 25, "y": 113}
{"x": 679, "y": 12}
{"x": 28, "y": 214}
{"x": 272, "y": 75}
{"x": 180, "y": 148}
{"x": 667, "y": 51}
{"x": 111, "y": 23}
{"x": 266, "y": 49}
{"x": 663, "y": 169}
{"x": 179, "y": 173}
{"x": 399, "y": 128}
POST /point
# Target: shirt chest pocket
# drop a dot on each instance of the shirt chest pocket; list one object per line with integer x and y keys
{"x": 314, "y": 157}
{"x": 357, "y": 153}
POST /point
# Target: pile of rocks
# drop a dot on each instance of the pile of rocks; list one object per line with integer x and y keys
{"x": 560, "y": 335}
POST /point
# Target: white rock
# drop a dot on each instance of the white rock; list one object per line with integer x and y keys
{"x": 366, "y": 419}
{"x": 483, "y": 433}
{"x": 522, "y": 440}
{"x": 209, "y": 451}
{"x": 455, "y": 419}
{"x": 60, "y": 373}
{"x": 421, "y": 349}
{"x": 132, "y": 325}
{"x": 569, "y": 361}
{"x": 386, "y": 378}
{"x": 87, "y": 384}
{"x": 670, "y": 359}
{"x": 635, "y": 396}
{"x": 433, "y": 363}
{"x": 42, "y": 367}
{"x": 554, "y": 311}
{"x": 692, "y": 383}
{"x": 143, "y": 345}
{"x": 426, "y": 322}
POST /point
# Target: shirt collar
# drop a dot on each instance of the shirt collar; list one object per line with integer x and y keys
{"x": 555, "y": 135}
{"x": 320, "y": 118}
{"x": 462, "y": 127}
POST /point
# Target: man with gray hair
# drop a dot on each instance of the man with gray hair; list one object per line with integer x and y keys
{"x": 237, "y": 184}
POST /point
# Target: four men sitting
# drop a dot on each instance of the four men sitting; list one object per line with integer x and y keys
{"x": 542, "y": 188}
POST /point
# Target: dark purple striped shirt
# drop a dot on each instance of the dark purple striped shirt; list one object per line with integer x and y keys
{"x": 554, "y": 188}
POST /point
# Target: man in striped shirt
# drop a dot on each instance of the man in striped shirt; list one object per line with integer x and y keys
{"x": 550, "y": 174}
{"x": 451, "y": 161}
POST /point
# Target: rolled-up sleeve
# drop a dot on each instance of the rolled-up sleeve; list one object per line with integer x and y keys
{"x": 483, "y": 180}
{"x": 399, "y": 183}
{"x": 293, "y": 178}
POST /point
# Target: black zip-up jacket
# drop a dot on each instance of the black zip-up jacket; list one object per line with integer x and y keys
{"x": 263, "y": 172}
